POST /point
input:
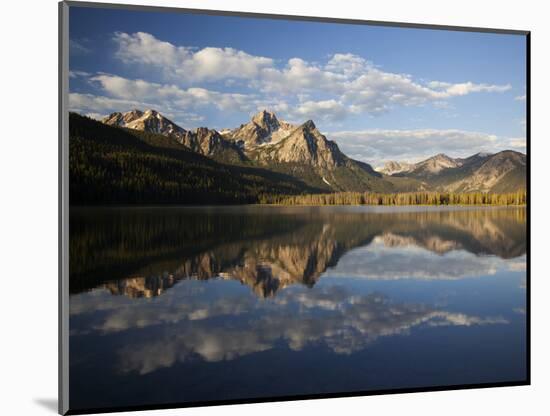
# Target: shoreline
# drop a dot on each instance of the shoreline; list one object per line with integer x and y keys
{"x": 168, "y": 206}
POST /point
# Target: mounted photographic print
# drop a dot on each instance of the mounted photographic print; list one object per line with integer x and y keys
{"x": 263, "y": 207}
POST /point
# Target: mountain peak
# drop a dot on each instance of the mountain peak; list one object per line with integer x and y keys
{"x": 391, "y": 167}
{"x": 263, "y": 128}
{"x": 264, "y": 113}
{"x": 266, "y": 119}
{"x": 149, "y": 120}
{"x": 122, "y": 119}
{"x": 306, "y": 145}
{"x": 132, "y": 115}
{"x": 436, "y": 164}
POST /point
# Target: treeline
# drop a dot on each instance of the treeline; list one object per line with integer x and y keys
{"x": 408, "y": 198}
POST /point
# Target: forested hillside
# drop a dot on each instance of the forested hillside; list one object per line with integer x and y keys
{"x": 112, "y": 165}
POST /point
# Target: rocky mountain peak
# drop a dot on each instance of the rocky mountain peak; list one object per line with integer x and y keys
{"x": 263, "y": 128}
{"x": 266, "y": 119}
{"x": 113, "y": 119}
{"x": 154, "y": 122}
{"x": 121, "y": 119}
{"x": 436, "y": 164}
{"x": 306, "y": 145}
{"x": 309, "y": 125}
{"x": 152, "y": 113}
{"x": 203, "y": 131}
{"x": 441, "y": 156}
{"x": 132, "y": 115}
{"x": 210, "y": 142}
{"x": 203, "y": 140}
{"x": 500, "y": 172}
{"x": 391, "y": 167}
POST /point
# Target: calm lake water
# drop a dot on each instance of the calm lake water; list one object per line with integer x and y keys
{"x": 172, "y": 305}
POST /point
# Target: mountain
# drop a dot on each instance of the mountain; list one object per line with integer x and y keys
{"x": 264, "y": 127}
{"x": 302, "y": 154}
{"x": 505, "y": 171}
{"x": 391, "y": 167}
{"x": 483, "y": 172}
{"x": 122, "y": 119}
{"x": 267, "y": 142}
{"x": 150, "y": 121}
{"x": 434, "y": 165}
{"x": 211, "y": 143}
{"x": 304, "y": 145}
{"x": 268, "y": 252}
{"x": 112, "y": 165}
{"x": 202, "y": 140}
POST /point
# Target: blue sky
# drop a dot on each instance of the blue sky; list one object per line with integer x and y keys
{"x": 381, "y": 93}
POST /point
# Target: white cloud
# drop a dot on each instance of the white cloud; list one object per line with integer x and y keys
{"x": 394, "y": 257}
{"x": 122, "y": 93}
{"x": 330, "y": 110}
{"x": 207, "y": 64}
{"x": 349, "y": 80}
{"x": 89, "y": 103}
{"x": 76, "y": 74}
{"x": 98, "y": 106}
{"x": 445, "y": 89}
{"x": 376, "y": 91}
{"x": 299, "y": 76}
{"x": 521, "y": 97}
{"x": 517, "y": 143}
{"x": 347, "y": 64}
{"x": 133, "y": 89}
{"x": 378, "y": 145}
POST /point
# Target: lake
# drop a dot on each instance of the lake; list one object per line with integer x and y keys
{"x": 192, "y": 304}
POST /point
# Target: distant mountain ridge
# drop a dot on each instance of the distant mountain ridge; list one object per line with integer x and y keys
{"x": 504, "y": 171}
{"x": 434, "y": 165}
{"x": 391, "y": 167}
{"x": 302, "y": 151}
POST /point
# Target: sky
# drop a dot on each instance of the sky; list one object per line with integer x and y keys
{"x": 382, "y": 93}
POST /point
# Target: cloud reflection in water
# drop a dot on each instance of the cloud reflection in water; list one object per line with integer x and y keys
{"x": 228, "y": 327}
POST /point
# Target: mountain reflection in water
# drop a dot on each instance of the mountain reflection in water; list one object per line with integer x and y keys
{"x": 144, "y": 252}
{"x": 178, "y": 305}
